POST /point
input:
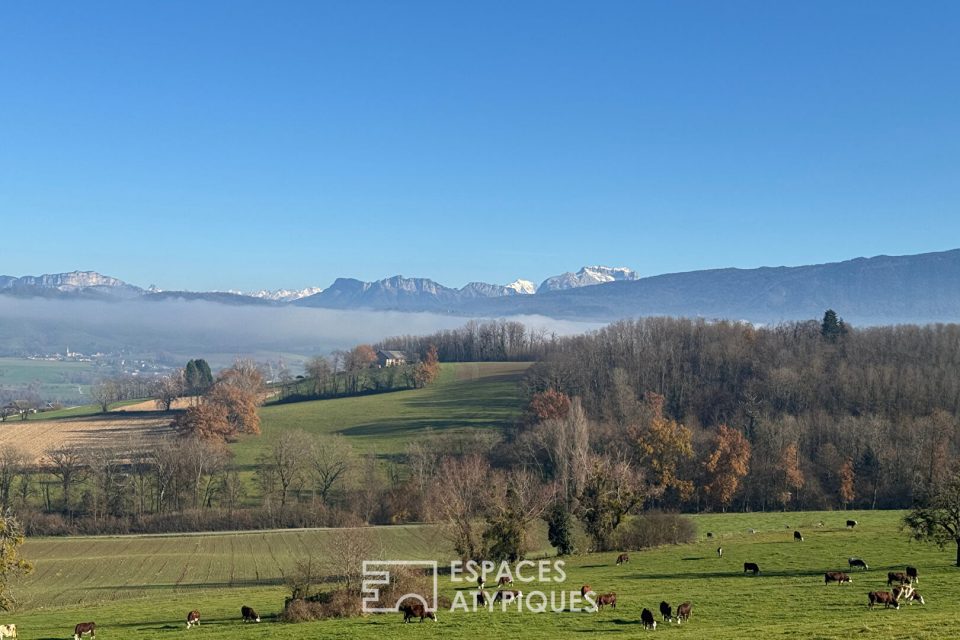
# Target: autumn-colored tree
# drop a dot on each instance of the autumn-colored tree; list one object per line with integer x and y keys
{"x": 12, "y": 565}
{"x": 662, "y": 446}
{"x": 360, "y": 357}
{"x": 205, "y": 421}
{"x": 549, "y": 405}
{"x": 240, "y": 406}
{"x": 726, "y": 465}
{"x": 847, "y": 477}
{"x": 428, "y": 370}
{"x": 791, "y": 476}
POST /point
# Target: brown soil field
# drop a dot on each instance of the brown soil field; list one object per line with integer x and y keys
{"x": 151, "y": 405}
{"x": 35, "y": 437}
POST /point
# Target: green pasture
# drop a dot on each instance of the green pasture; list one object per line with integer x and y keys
{"x": 466, "y": 397}
{"x": 67, "y": 381}
{"x": 142, "y": 586}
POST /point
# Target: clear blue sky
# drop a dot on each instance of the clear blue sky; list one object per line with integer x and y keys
{"x": 217, "y": 145}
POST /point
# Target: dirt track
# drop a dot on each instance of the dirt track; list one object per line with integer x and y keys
{"x": 35, "y": 437}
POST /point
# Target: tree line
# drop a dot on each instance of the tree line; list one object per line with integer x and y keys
{"x": 835, "y": 416}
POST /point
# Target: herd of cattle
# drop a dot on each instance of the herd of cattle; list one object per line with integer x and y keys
{"x": 904, "y": 591}
{"x": 902, "y": 582}
{"x": 90, "y": 628}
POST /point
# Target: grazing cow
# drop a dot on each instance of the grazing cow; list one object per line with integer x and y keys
{"x": 897, "y": 576}
{"x": 797, "y": 536}
{"x": 883, "y": 597}
{"x": 193, "y": 618}
{"x": 84, "y": 628}
{"x": 504, "y": 593}
{"x": 709, "y": 534}
{"x": 751, "y": 531}
{"x": 249, "y": 615}
{"x": 504, "y": 580}
{"x": 666, "y": 611}
{"x": 915, "y": 597}
{"x": 623, "y": 558}
{"x": 607, "y": 598}
{"x": 683, "y": 612}
{"x": 857, "y": 562}
{"x": 903, "y": 592}
{"x": 646, "y": 616}
{"x": 719, "y": 552}
{"x": 836, "y": 576}
{"x": 851, "y": 524}
{"x": 820, "y": 524}
{"x": 912, "y": 574}
{"x": 751, "y": 566}
{"x": 585, "y": 589}
{"x": 414, "y": 609}
{"x": 8, "y": 631}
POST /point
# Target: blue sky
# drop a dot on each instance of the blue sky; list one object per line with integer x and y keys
{"x": 219, "y": 145}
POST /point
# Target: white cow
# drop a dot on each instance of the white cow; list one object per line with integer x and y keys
{"x": 8, "y": 631}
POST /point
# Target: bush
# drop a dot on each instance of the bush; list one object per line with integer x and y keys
{"x": 655, "y": 530}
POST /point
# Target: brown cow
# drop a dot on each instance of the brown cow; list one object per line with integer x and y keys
{"x": 249, "y": 615}
{"x": 84, "y": 628}
{"x": 751, "y": 566}
{"x": 646, "y": 616}
{"x": 666, "y": 611}
{"x": 883, "y": 597}
{"x": 504, "y": 580}
{"x": 585, "y": 589}
{"x": 683, "y": 612}
{"x": 915, "y": 597}
{"x": 193, "y": 618}
{"x": 797, "y": 536}
{"x": 836, "y": 576}
{"x": 897, "y": 576}
{"x": 607, "y": 598}
{"x": 414, "y": 609}
{"x": 623, "y": 558}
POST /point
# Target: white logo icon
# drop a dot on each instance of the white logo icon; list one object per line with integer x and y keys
{"x": 376, "y": 573}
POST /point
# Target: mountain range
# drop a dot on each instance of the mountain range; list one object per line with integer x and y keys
{"x": 883, "y": 289}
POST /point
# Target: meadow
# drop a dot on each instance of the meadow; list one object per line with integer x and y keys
{"x": 466, "y": 397}
{"x": 67, "y": 381}
{"x": 140, "y": 586}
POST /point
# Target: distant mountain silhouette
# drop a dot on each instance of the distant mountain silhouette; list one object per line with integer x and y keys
{"x": 881, "y": 290}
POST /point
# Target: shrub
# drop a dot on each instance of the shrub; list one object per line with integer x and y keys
{"x": 656, "y": 529}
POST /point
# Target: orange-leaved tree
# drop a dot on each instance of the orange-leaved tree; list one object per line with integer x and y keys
{"x": 662, "y": 446}
{"x": 726, "y": 465}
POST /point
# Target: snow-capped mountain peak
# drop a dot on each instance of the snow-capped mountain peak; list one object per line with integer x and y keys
{"x": 284, "y": 295}
{"x": 522, "y": 287}
{"x": 586, "y": 277}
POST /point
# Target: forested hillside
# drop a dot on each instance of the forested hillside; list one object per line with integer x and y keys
{"x": 824, "y": 407}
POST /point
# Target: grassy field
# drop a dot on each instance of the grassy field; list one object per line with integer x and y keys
{"x": 466, "y": 397}
{"x": 67, "y": 381}
{"x": 138, "y": 587}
